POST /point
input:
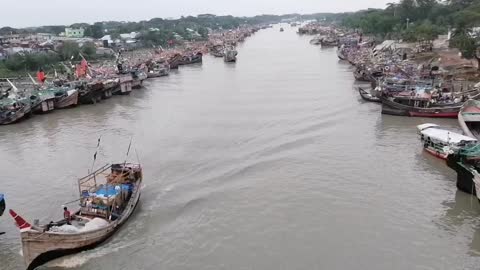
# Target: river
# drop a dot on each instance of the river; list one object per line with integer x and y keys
{"x": 273, "y": 162}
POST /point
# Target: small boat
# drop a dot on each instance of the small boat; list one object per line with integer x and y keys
{"x": 66, "y": 98}
{"x": 158, "y": 70}
{"x": 440, "y": 142}
{"x": 466, "y": 162}
{"x": 415, "y": 107}
{"x": 367, "y": 96}
{"x": 281, "y": 29}
{"x": 230, "y": 54}
{"x": 175, "y": 61}
{"x": 109, "y": 86}
{"x": 469, "y": 118}
{"x": 108, "y": 197}
{"x": 316, "y": 40}
{"x": 2, "y": 204}
{"x": 2, "y": 207}
{"x": 13, "y": 110}
{"x": 217, "y": 53}
{"x": 90, "y": 92}
{"x": 43, "y": 100}
{"x": 138, "y": 76}
{"x": 125, "y": 85}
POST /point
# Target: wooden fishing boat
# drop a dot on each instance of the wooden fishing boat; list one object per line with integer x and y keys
{"x": 469, "y": 118}
{"x": 175, "y": 61}
{"x": 158, "y": 70}
{"x": 125, "y": 85}
{"x": 230, "y": 55}
{"x": 440, "y": 142}
{"x": 138, "y": 77}
{"x": 466, "y": 162}
{"x": 13, "y": 110}
{"x": 109, "y": 86}
{"x": 104, "y": 208}
{"x": 367, "y": 96}
{"x": 91, "y": 92}
{"x": 43, "y": 100}
{"x": 417, "y": 108}
{"x": 2, "y": 204}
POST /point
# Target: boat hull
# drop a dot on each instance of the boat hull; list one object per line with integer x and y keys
{"x": 367, "y": 96}
{"x": 437, "y": 154}
{"x": 393, "y": 108}
{"x": 68, "y": 101}
{"x": 465, "y": 175}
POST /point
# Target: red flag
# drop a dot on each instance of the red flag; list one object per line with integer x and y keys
{"x": 41, "y": 76}
{"x": 21, "y": 223}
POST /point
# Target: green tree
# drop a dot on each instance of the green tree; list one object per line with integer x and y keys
{"x": 89, "y": 50}
{"x": 69, "y": 50}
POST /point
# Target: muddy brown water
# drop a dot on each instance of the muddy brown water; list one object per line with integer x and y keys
{"x": 273, "y": 162}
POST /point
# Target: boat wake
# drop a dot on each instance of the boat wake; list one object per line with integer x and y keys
{"x": 79, "y": 259}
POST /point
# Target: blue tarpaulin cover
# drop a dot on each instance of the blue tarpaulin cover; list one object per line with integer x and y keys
{"x": 107, "y": 191}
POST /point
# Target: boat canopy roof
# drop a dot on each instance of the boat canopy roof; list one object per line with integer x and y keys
{"x": 435, "y": 132}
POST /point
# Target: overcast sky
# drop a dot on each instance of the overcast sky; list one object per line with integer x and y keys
{"x": 24, "y": 13}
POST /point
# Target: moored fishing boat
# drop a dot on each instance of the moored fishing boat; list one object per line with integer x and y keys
{"x": 281, "y": 29}
{"x": 158, "y": 69}
{"x": 417, "y": 106}
{"x": 90, "y": 92}
{"x": 125, "y": 85}
{"x": 469, "y": 118}
{"x": 13, "y": 110}
{"x": 138, "y": 76}
{"x": 466, "y": 162}
{"x": 46, "y": 100}
{"x": 2, "y": 204}
{"x": 175, "y": 61}
{"x": 440, "y": 142}
{"x": 230, "y": 54}
{"x": 104, "y": 207}
{"x": 66, "y": 98}
{"x": 367, "y": 96}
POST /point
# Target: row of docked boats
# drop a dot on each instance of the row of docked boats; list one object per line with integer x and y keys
{"x": 22, "y": 98}
{"x": 405, "y": 86}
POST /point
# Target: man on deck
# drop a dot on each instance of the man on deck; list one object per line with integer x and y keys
{"x": 66, "y": 215}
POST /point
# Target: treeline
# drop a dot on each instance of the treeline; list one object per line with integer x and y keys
{"x": 69, "y": 51}
{"x": 415, "y": 19}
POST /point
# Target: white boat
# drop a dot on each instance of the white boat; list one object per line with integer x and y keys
{"x": 441, "y": 142}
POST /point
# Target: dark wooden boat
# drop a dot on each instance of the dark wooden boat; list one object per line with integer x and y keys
{"x": 469, "y": 118}
{"x": 104, "y": 208}
{"x": 466, "y": 163}
{"x": 217, "y": 53}
{"x": 392, "y": 107}
{"x": 70, "y": 99}
{"x": 13, "y": 111}
{"x": 367, "y": 96}
{"x": 138, "y": 77}
{"x": 175, "y": 61}
{"x": 2, "y": 204}
{"x": 192, "y": 59}
{"x": 43, "y": 101}
{"x": 125, "y": 85}
{"x": 90, "y": 93}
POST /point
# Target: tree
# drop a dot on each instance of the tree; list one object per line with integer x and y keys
{"x": 69, "y": 50}
{"x": 89, "y": 50}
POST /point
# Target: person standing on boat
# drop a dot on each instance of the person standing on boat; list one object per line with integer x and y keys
{"x": 67, "y": 215}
